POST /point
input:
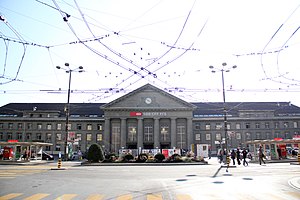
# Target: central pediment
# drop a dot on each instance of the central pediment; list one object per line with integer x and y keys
{"x": 148, "y": 97}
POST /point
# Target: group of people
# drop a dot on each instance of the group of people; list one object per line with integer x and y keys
{"x": 239, "y": 156}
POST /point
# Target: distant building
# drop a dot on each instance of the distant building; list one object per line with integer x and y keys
{"x": 148, "y": 118}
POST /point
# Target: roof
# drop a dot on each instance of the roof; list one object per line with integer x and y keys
{"x": 233, "y": 108}
{"x": 202, "y": 109}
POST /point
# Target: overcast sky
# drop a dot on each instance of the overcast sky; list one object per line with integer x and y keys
{"x": 124, "y": 44}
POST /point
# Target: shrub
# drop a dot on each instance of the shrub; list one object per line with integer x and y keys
{"x": 142, "y": 158}
{"x": 159, "y": 157}
{"x": 128, "y": 157}
{"x": 95, "y": 153}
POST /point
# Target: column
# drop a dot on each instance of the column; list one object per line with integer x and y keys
{"x": 140, "y": 134}
{"x": 123, "y": 133}
{"x": 189, "y": 132}
{"x": 106, "y": 136}
{"x": 156, "y": 133}
{"x": 173, "y": 133}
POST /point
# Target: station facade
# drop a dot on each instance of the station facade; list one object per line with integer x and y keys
{"x": 148, "y": 118}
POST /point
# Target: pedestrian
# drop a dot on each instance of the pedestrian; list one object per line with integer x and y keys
{"x": 279, "y": 152}
{"x": 261, "y": 155}
{"x": 238, "y": 156}
{"x": 220, "y": 155}
{"x": 233, "y": 155}
{"x": 209, "y": 153}
{"x": 244, "y": 153}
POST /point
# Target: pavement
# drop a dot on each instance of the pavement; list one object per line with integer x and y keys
{"x": 294, "y": 182}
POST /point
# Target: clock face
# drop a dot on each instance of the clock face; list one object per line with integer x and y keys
{"x": 148, "y": 100}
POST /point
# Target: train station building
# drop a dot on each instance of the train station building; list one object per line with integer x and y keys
{"x": 148, "y": 118}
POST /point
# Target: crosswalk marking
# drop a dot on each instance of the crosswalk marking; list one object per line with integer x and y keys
{"x": 66, "y": 197}
{"x": 154, "y": 197}
{"x": 10, "y": 196}
{"x": 292, "y": 195}
{"x": 95, "y": 197}
{"x": 183, "y": 197}
{"x": 37, "y": 196}
{"x": 125, "y": 197}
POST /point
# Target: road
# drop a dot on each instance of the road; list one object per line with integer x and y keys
{"x": 180, "y": 182}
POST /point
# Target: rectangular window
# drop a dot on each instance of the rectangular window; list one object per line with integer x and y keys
{"x": 28, "y": 136}
{"x": 20, "y": 126}
{"x": 10, "y": 125}
{"x": 247, "y": 125}
{"x": 207, "y": 126}
{"x": 132, "y": 134}
{"x": 197, "y": 126}
{"x": 285, "y": 124}
{"x": 19, "y": 136}
{"x": 9, "y": 136}
{"x": 49, "y": 136}
{"x": 218, "y": 126}
{"x": 58, "y": 126}
{"x": 164, "y": 132}
{"x": 78, "y": 126}
{"x": 207, "y": 136}
{"x": 218, "y": 136}
{"x": 38, "y": 136}
{"x": 198, "y": 137}
{"x": 88, "y": 137}
{"x": 295, "y": 124}
{"x": 238, "y": 136}
{"x": 267, "y": 125}
{"x": 89, "y": 127}
{"x": 248, "y": 136}
{"x": 49, "y": 126}
{"x": 29, "y": 126}
{"x": 228, "y": 126}
{"x": 78, "y": 136}
{"x": 69, "y": 127}
{"x": 148, "y": 133}
{"x": 99, "y": 137}
{"x": 257, "y": 136}
{"x": 1, "y": 136}
{"x": 181, "y": 136}
{"x": 1, "y": 126}
{"x": 115, "y": 137}
{"x": 99, "y": 127}
{"x": 58, "y": 137}
{"x": 257, "y": 125}
{"x": 237, "y": 126}
{"x": 57, "y": 148}
{"x": 276, "y": 125}
{"x": 39, "y": 126}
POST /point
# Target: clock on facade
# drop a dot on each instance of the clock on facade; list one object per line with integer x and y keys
{"x": 148, "y": 100}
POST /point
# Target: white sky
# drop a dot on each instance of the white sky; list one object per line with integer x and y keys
{"x": 177, "y": 40}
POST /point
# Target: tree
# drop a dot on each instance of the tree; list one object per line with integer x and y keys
{"x": 95, "y": 153}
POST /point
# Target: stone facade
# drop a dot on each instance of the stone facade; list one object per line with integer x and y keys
{"x": 148, "y": 118}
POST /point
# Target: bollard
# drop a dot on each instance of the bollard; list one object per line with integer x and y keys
{"x": 59, "y": 163}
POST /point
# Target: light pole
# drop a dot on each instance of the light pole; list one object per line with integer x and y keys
{"x": 67, "y": 108}
{"x": 222, "y": 70}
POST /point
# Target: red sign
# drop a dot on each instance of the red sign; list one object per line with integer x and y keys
{"x": 12, "y": 141}
{"x": 134, "y": 114}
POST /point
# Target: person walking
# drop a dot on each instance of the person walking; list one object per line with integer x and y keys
{"x": 233, "y": 155}
{"x": 244, "y": 153}
{"x": 261, "y": 155}
{"x": 238, "y": 156}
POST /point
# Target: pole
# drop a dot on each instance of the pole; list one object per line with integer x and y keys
{"x": 225, "y": 113}
{"x": 67, "y": 116}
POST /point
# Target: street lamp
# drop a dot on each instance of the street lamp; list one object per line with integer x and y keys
{"x": 222, "y": 70}
{"x": 67, "y": 108}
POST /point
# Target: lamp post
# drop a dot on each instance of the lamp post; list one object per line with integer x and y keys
{"x": 222, "y": 70}
{"x": 67, "y": 107}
